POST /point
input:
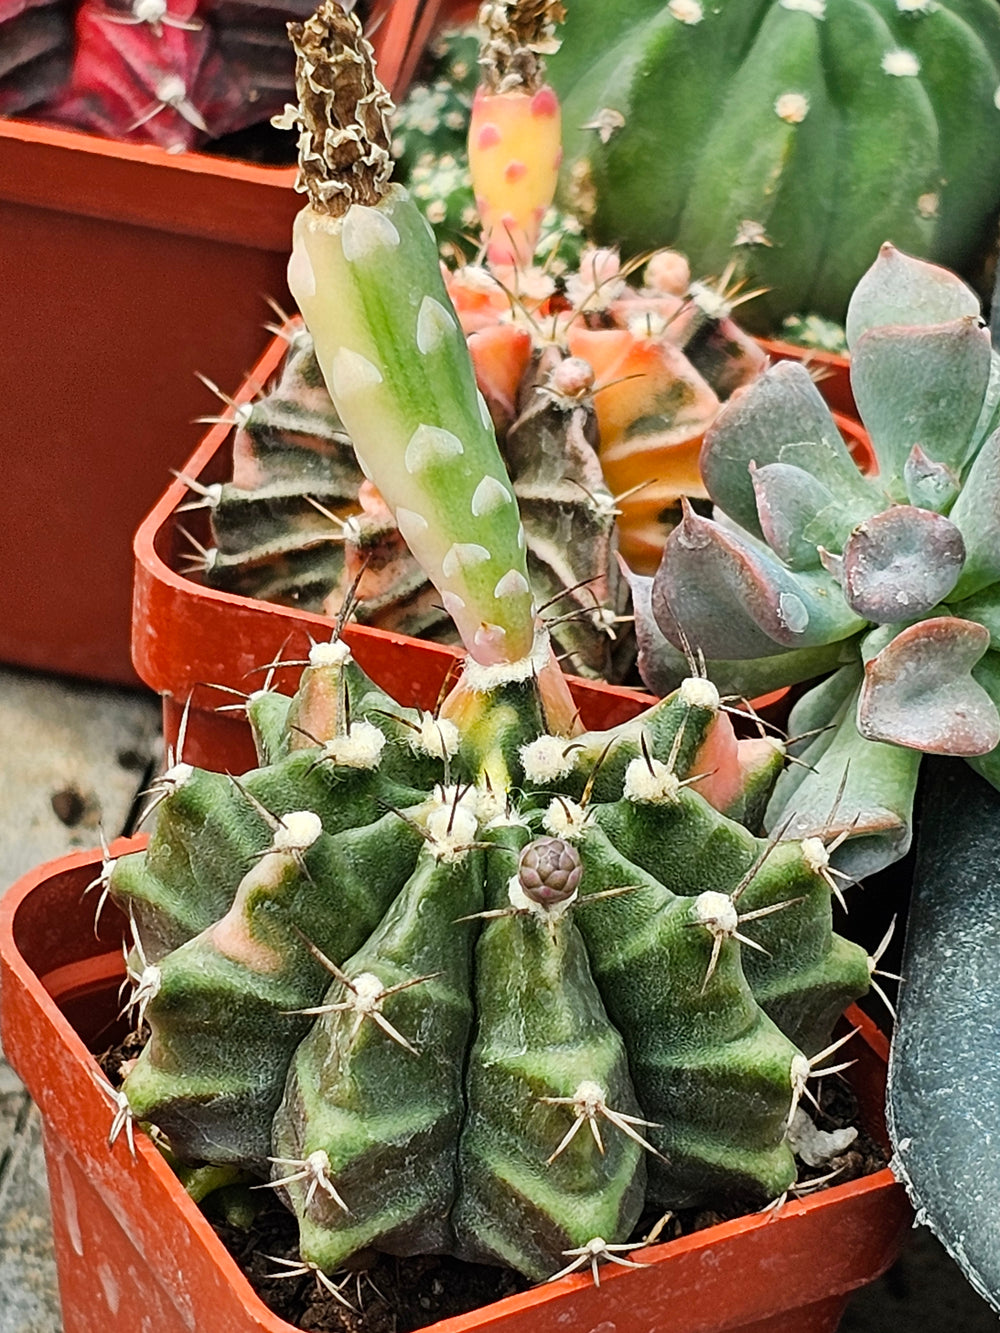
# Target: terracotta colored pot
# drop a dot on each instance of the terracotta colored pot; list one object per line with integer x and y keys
{"x": 127, "y": 269}
{"x": 834, "y": 372}
{"x": 134, "y": 1252}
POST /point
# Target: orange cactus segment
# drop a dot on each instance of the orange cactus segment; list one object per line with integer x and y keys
{"x": 500, "y": 355}
{"x": 515, "y": 147}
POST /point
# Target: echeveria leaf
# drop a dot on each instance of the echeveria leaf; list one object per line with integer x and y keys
{"x": 899, "y": 289}
{"x": 730, "y": 598}
{"x": 663, "y": 667}
{"x": 921, "y": 386}
{"x": 919, "y": 691}
{"x": 944, "y": 1075}
{"x": 781, "y": 407}
{"x": 977, "y": 513}
{"x": 853, "y": 785}
{"x": 901, "y": 563}
{"x": 929, "y": 484}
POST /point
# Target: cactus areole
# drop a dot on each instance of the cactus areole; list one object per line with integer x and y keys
{"x": 465, "y": 982}
{"x": 797, "y": 134}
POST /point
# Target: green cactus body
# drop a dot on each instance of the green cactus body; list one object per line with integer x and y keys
{"x": 543, "y": 1043}
{"x": 900, "y": 570}
{"x": 793, "y": 135}
{"x": 385, "y": 1113}
{"x": 254, "y": 966}
{"x": 711, "y": 1069}
{"x": 523, "y": 973}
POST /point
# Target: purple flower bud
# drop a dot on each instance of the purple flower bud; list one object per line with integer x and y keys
{"x": 549, "y": 870}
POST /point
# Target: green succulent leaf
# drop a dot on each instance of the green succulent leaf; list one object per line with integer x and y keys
{"x": 977, "y": 513}
{"x": 900, "y": 289}
{"x": 901, "y": 564}
{"x": 921, "y": 386}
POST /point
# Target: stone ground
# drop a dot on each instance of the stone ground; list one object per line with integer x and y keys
{"x": 73, "y": 758}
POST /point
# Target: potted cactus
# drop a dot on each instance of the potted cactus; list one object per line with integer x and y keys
{"x": 140, "y": 259}
{"x": 409, "y": 971}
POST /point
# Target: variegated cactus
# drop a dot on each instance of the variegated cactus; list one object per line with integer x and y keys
{"x": 892, "y": 581}
{"x": 600, "y": 392}
{"x": 469, "y": 983}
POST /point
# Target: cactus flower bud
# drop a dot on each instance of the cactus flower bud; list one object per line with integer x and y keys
{"x": 549, "y": 870}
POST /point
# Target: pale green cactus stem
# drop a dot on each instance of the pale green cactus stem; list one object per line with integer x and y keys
{"x": 364, "y": 270}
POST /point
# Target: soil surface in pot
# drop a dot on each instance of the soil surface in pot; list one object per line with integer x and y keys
{"x": 391, "y": 1295}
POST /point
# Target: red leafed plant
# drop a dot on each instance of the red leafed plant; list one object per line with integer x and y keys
{"x": 176, "y": 73}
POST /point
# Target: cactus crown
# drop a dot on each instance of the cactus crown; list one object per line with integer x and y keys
{"x": 894, "y": 580}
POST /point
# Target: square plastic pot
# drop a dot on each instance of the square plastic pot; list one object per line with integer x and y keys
{"x": 196, "y": 645}
{"x": 127, "y": 270}
{"x": 134, "y": 1252}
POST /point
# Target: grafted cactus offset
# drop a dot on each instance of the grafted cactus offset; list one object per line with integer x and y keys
{"x": 892, "y": 581}
{"x": 599, "y": 390}
{"x": 800, "y": 132}
{"x": 468, "y": 983}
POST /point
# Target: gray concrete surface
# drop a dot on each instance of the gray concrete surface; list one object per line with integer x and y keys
{"x": 72, "y": 759}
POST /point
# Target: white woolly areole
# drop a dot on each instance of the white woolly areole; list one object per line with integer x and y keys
{"x": 429, "y": 445}
{"x": 547, "y": 759}
{"x": 709, "y": 301}
{"x": 297, "y": 831}
{"x": 817, "y": 8}
{"x": 494, "y": 811}
{"x": 361, "y": 747}
{"x": 177, "y": 776}
{"x": 353, "y": 373}
{"x": 996, "y": 99}
{"x": 332, "y": 654}
{"x": 434, "y": 323}
{"x": 792, "y": 107}
{"x": 149, "y": 11}
{"x": 649, "y": 783}
{"x": 814, "y": 854}
{"x": 482, "y": 679}
{"x": 686, "y": 11}
{"x": 365, "y": 232}
{"x": 565, "y": 819}
{"x": 489, "y": 496}
{"x": 462, "y": 822}
{"x": 368, "y": 993}
{"x": 651, "y": 324}
{"x": 437, "y": 737}
{"x": 914, "y": 6}
{"x": 697, "y": 692}
{"x": 552, "y": 912}
{"x": 901, "y": 64}
{"x": 716, "y": 912}
{"x": 800, "y": 1071}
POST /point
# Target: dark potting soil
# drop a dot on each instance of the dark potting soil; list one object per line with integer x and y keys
{"x": 391, "y": 1295}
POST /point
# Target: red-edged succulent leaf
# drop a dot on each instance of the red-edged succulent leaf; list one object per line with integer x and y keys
{"x": 919, "y": 691}
{"x": 923, "y": 385}
{"x": 899, "y": 289}
{"x": 759, "y": 424}
{"x": 789, "y": 503}
{"x": 732, "y": 599}
{"x": 901, "y": 564}
{"x": 929, "y": 485}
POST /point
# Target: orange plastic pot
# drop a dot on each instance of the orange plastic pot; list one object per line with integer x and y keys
{"x": 134, "y": 1252}
{"x": 127, "y": 269}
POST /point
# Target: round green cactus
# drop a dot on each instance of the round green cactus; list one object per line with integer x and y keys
{"x": 797, "y": 134}
{"x": 891, "y": 581}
